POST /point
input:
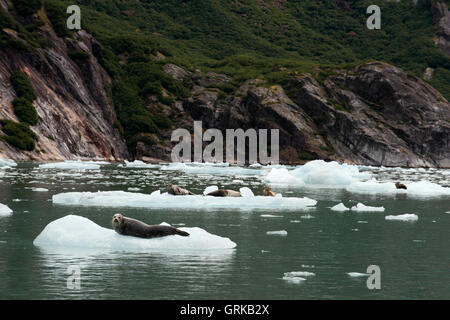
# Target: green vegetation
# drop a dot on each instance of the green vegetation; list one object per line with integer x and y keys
{"x": 243, "y": 39}
{"x": 79, "y": 56}
{"x": 18, "y": 135}
{"x": 23, "y": 104}
{"x": 27, "y": 7}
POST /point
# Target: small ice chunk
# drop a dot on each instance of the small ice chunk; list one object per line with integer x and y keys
{"x": 5, "y": 211}
{"x": 39, "y": 190}
{"x": 270, "y": 216}
{"x": 357, "y": 274}
{"x": 340, "y": 207}
{"x": 295, "y": 221}
{"x": 292, "y": 279}
{"x": 140, "y": 164}
{"x": 299, "y": 274}
{"x": 282, "y": 233}
{"x": 363, "y": 208}
{"x": 403, "y": 217}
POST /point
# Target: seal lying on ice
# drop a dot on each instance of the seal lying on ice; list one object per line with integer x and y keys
{"x": 132, "y": 227}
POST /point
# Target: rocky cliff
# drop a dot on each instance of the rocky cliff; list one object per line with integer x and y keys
{"x": 75, "y": 114}
{"x": 375, "y": 114}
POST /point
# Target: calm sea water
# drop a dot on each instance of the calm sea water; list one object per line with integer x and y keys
{"x": 414, "y": 257}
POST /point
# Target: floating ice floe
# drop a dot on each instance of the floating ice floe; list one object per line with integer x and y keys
{"x": 420, "y": 188}
{"x": 340, "y": 207}
{"x": 282, "y": 233}
{"x": 318, "y": 174}
{"x": 71, "y": 165}
{"x": 140, "y": 164}
{"x": 403, "y": 217}
{"x": 210, "y": 168}
{"x": 39, "y": 189}
{"x": 7, "y": 163}
{"x": 357, "y": 274}
{"x": 5, "y": 211}
{"x": 297, "y": 276}
{"x": 166, "y": 201}
{"x": 363, "y": 208}
{"x": 79, "y": 232}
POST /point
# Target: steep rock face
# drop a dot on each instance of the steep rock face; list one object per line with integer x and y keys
{"x": 441, "y": 14}
{"x": 375, "y": 114}
{"x": 75, "y": 114}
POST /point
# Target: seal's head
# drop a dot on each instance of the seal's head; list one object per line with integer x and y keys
{"x": 117, "y": 221}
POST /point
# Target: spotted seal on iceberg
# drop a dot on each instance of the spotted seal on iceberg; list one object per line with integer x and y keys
{"x": 224, "y": 193}
{"x": 132, "y": 227}
{"x": 177, "y": 191}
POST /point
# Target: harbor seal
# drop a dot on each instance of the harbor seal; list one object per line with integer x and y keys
{"x": 224, "y": 193}
{"x": 399, "y": 185}
{"x": 177, "y": 191}
{"x": 268, "y": 192}
{"x": 132, "y": 227}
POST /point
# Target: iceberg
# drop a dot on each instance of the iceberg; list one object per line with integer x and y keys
{"x": 363, "y": 208}
{"x": 418, "y": 189}
{"x": 299, "y": 274}
{"x": 74, "y": 231}
{"x": 318, "y": 174}
{"x": 158, "y": 200}
{"x": 282, "y": 233}
{"x": 357, "y": 274}
{"x": 210, "y": 168}
{"x": 5, "y": 211}
{"x": 340, "y": 207}
{"x": 403, "y": 217}
{"x": 140, "y": 164}
{"x": 39, "y": 189}
{"x": 71, "y": 165}
{"x": 7, "y": 163}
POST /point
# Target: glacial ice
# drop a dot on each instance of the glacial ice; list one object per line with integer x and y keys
{"x": 71, "y": 165}
{"x": 403, "y": 217}
{"x": 357, "y": 274}
{"x": 5, "y": 211}
{"x": 210, "y": 168}
{"x": 39, "y": 189}
{"x": 277, "y": 233}
{"x": 418, "y": 189}
{"x": 292, "y": 279}
{"x": 79, "y": 232}
{"x": 363, "y": 208}
{"x": 164, "y": 200}
{"x": 299, "y": 274}
{"x": 340, "y": 207}
{"x": 7, "y": 163}
{"x": 140, "y": 164}
{"x": 317, "y": 173}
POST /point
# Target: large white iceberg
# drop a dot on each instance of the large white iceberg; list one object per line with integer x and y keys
{"x": 5, "y": 211}
{"x": 78, "y": 232}
{"x": 158, "y": 200}
{"x": 71, "y": 165}
{"x": 317, "y": 173}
